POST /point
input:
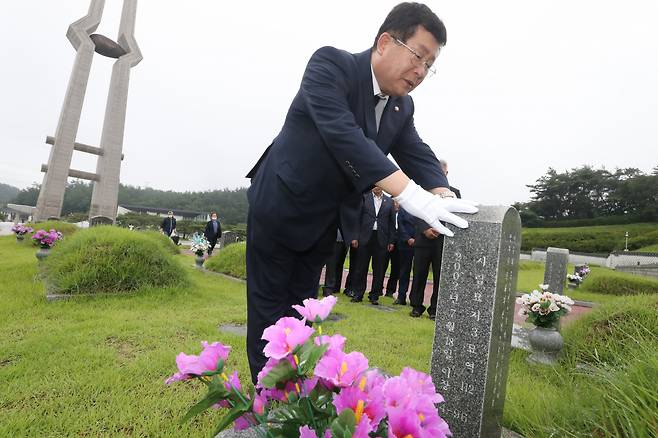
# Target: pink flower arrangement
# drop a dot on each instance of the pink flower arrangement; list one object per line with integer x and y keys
{"x": 20, "y": 229}
{"x": 310, "y": 387}
{"x": 46, "y": 239}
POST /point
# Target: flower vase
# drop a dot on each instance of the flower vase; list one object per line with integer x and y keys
{"x": 42, "y": 253}
{"x": 20, "y": 237}
{"x": 546, "y": 343}
{"x": 199, "y": 261}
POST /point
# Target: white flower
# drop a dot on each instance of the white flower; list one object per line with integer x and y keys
{"x": 543, "y": 287}
{"x": 553, "y": 307}
{"x": 536, "y": 307}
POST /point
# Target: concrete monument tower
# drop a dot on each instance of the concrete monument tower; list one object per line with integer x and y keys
{"x": 106, "y": 179}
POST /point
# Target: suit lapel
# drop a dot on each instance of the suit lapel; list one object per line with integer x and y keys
{"x": 367, "y": 94}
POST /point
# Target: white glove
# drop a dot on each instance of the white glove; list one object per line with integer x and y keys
{"x": 433, "y": 209}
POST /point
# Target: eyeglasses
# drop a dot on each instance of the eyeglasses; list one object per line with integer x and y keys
{"x": 417, "y": 60}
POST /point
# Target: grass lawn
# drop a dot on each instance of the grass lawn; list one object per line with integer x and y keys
{"x": 96, "y": 366}
{"x": 650, "y": 248}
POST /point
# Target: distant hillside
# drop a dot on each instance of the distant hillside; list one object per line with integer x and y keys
{"x": 7, "y": 193}
{"x": 596, "y": 239}
{"x": 230, "y": 203}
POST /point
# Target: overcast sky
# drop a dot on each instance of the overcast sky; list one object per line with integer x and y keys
{"x": 520, "y": 87}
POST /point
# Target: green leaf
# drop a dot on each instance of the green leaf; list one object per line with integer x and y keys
{"x": 213, "y": 396}
{"x": 282, "y": 372}
{"x": 344, "y": 425}
{"x": 310, "y": 355}
{"x": 231, "y": 416}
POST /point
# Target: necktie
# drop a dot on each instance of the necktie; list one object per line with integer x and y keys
{"x": 380, "y": 104}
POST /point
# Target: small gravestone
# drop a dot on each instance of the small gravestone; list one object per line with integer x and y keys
{"x": 234, "y": 329}
{"x": 474, "y": 319}
{"x": 555, "y": 273}
{"x": 228, "y": 237}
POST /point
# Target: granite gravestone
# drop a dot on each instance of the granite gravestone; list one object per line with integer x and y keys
{"x": 227, "y": 238}
{"x": 555, "y": 273}
{"x": 474, "y": 319}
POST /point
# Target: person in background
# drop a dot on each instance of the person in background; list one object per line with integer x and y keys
{"x": 169, "y": 224}
{"x": 428, "y": 249}
{"x": 393, "y": 257}
{"x": 212, "y": 232}
{"x": 405, "y": 245}
{"x": 333, "y": 274}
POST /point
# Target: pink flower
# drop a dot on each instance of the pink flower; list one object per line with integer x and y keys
{"x": 421, "y": 383}
{"x": 341, "y": 369}
{"x": 307, "y": 432}
{"x": 316, "y": 310}
{"x": 336, "y": 342}
{"x": 190, "y": 366}
{"x": 403, "y": 423}
{"x": 285, "y": 336}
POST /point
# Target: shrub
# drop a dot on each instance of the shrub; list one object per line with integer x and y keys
{"x": 231, "y": 260}
{"x": 627, "y": 285}
{"x": 642, "y": 240}
{"x": 107, "y": 259}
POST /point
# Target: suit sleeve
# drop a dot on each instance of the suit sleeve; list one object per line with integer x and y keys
{"x": 416, "y": 158}
{"x": 325, "y": 88}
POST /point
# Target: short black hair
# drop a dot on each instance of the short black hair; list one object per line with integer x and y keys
{"x": 404, "y": 19}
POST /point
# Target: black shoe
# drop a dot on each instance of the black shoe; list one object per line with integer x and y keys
{"x": 415, "y": 314}
{"x": 400, "y": 303}
{"x": 374, "y": 302}
{"x": 356, "y": 300}
{"x": 349, "y": 293}
{"x": 432, "y": 317}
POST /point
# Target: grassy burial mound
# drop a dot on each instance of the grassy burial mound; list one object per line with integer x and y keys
{"x": 109, "y": 259}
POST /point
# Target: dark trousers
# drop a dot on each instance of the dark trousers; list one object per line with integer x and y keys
{"x": 406, "y": 257}
{"x": 423, "y": 257}
{"x": 333, "y": 274}
{"x": 371, "y": 250}
{"x": 277, "y": 278}
{"x": 211, "y": 246}
{"x": 351, "y": 273}
{"x": 394, "y": 276}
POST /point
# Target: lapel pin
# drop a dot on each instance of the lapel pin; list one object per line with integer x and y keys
{"x": 396, "y": 108}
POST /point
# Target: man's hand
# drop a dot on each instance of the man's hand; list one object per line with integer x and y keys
{"x": 411, "y": 241}
{"x": 431, "y": 233}
{"x": 355, "y": 243}
{"x": 433, "y": 209}
{"x": 390, "y": 247}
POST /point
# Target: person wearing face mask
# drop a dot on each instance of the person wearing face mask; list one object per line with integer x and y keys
{"x": 351, "y": 111}
{"x": 212, "y": 232}
{"x": 169, "y": 224}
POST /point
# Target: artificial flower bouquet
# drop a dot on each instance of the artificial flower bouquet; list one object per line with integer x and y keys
{"x": 544, "y": 309}
{"x": 310, "y": 387}
{"x": 199, "y": 244}
{"x": 575, "y": 278}
{"x": 46, "y": 239}
{"x": 21, "y": 230}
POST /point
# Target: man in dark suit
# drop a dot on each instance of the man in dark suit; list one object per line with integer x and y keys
{"x": 376, "y": 237}
{"x": 405, "y": 244}
{"x": 213, "y": 231}
{"x": 350, "y": 112}
{"x": 169, "y": 224}
{"x": 428, "y": 249}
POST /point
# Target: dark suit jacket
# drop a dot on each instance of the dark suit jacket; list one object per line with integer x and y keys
{"x": 329, "y": 151}
{"x": 168, "y": 225}
{"x": 210, "y": 233}
{"x": 385, "y": 220}
{"x": 406, "y": 227}
{"x": 421, "y": 226}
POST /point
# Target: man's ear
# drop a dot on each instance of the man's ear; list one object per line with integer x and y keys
{"x": 383, "y": 41}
